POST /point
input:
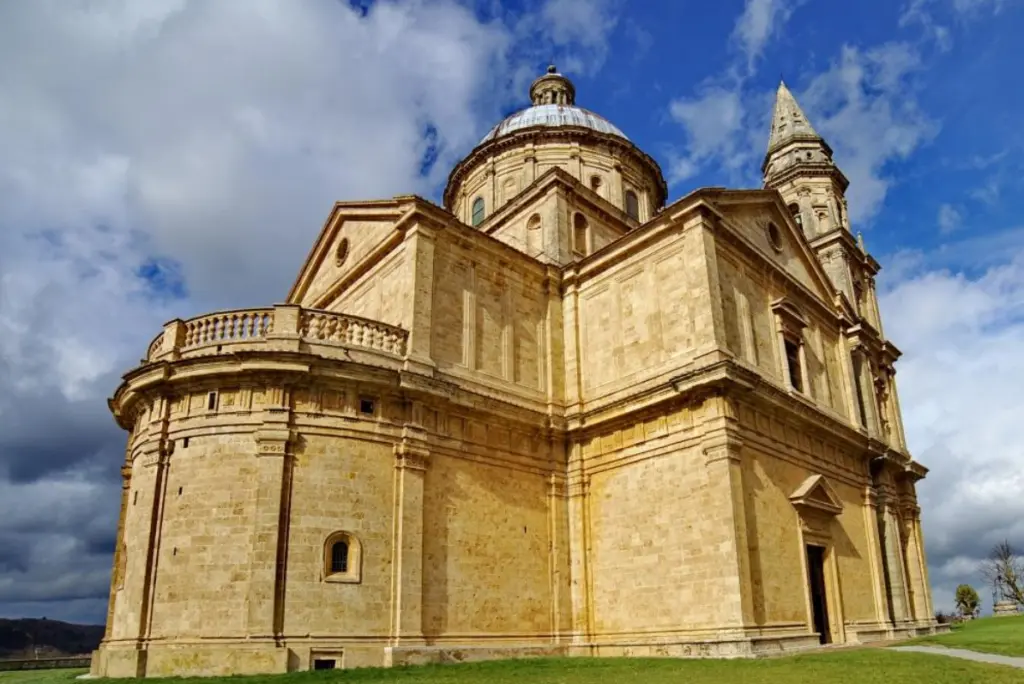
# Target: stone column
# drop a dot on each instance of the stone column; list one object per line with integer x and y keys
{"x": 914, "y": 561}
{"x": 411, "y": 458}
{"x": 875, "y": 559}
{"x": 420, "y": 245}
{"x": 897, "y": 418}
{"x": 867, "y": 392}
{"x": 893, "y": 556}
{"x": 268, "y": 556}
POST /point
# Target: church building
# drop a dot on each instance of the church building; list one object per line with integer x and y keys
{"x": 556, "y": 416}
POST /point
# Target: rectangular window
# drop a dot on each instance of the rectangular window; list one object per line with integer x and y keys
{"x": 211, "y": 401}
{"x": 366, "y": 406}
{"x": 793, "y": 365}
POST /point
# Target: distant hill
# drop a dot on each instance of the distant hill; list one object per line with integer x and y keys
{"x": 29, "y": 638}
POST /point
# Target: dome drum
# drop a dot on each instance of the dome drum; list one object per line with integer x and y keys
{"x": 554, "y": 132}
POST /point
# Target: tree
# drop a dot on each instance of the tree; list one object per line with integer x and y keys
{"x": 967, "y": 600}
{"x": 1004, "y": 570}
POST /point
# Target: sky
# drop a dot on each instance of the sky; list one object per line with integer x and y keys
{"x": 168, "y": 158}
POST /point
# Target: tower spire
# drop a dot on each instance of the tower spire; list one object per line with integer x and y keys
{"x": 789, "y": 122}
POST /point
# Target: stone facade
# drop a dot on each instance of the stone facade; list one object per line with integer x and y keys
{"x": 590, "y": 424}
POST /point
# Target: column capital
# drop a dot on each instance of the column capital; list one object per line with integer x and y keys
{"x": 725, "y": 446}
{"x": 412, "y": 453}
{"x": 272, "y": 441}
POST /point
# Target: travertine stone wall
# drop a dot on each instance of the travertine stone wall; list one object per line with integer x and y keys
{"x": 206, "y": 531}
{"x": 641, "y": 318}
{"x": 340, "y": 483}
{"x": 486, "y": 538}
{"x": 490, "y": 317}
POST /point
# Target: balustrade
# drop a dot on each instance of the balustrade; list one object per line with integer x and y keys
{"x": 260, "y": 326}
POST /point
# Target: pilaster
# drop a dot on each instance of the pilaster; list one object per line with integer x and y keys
{"x": 875, "y": 554}
{"x": 420, "y": 245}
{"x": 411, "y": 459}
{"x": 723, "y": 460}
{"x": 117, "y": 574}
{"x": 579, "y": 549}
{"x": 893, "y": 556}
{"x": 268, "y": 556}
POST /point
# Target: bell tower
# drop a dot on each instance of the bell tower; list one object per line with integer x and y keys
{"x": 799, "y": 165}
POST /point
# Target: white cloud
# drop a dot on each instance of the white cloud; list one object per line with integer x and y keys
{"x": 713, "y": 122}
{"x": 165, "y": 158}
{"x": 760, "y": 20}
{"x": 949, "y": 218}
{"x": 866, "y": 107}
{"x": 959, "y": 384}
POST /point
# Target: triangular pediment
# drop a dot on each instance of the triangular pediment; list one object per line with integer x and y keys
{"x": 539, "y": 221}
{"x": 355, "y": 236}
{"x": 817, "y": 494}
{"x": 759, "y": 218}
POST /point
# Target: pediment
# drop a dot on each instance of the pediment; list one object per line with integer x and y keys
{"x": 759, "y": 218}
{"x": 816, "y": 494}
{"x": 355, "y": 236}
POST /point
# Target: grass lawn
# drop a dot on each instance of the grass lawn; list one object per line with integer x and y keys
{"x": 860, "y": 666}
{"x": 1002, "y": 635}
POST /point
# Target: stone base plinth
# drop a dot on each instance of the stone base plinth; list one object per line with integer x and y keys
{"x": 244, "y": 657}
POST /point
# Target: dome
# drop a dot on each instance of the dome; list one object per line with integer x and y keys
{"x": 553, "y": 115}
{"x": 554, "y": 105}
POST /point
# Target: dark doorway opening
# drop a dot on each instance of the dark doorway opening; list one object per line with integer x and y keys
{"x": 816, "y": 582}
{"x": 323, "y": 664}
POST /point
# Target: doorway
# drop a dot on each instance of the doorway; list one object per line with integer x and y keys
{"x": 816, "y": 584}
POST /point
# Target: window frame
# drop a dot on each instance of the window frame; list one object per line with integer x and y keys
{"x": 630, "y": 193}
{"x": 353, "y": 570}
{"x": 478, "y": 206}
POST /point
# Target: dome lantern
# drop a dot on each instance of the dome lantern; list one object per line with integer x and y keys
{"x": 553, "y": 88}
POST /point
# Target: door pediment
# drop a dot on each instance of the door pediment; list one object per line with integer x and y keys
{"x": 815, "y": 494}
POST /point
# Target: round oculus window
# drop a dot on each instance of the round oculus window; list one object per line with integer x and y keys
{"x": 775, "y": 237}
{"x": 342, "y": 252}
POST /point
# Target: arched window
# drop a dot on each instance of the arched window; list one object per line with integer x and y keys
{"x": 794, "y": 210}
{"x": 632, "y": 205}
{"x": 342, "y": 558}
{"x": 579, "y": 234}
{"x": 478, "y": 211}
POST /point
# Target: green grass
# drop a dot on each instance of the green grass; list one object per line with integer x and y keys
{"x": 1002, "y": 635}
{"x": 855, "y": 666}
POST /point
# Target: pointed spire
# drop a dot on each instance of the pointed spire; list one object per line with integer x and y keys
{"x": 789, "y": 121}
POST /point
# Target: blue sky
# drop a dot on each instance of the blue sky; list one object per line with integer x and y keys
{"x": 163, "y": 159}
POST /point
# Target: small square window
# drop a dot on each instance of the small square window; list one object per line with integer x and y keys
{"x": 367, "y": 406}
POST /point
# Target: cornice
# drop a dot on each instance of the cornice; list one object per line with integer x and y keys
{"x": 807, "y": 169}
{"x": 301, "y": 369}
